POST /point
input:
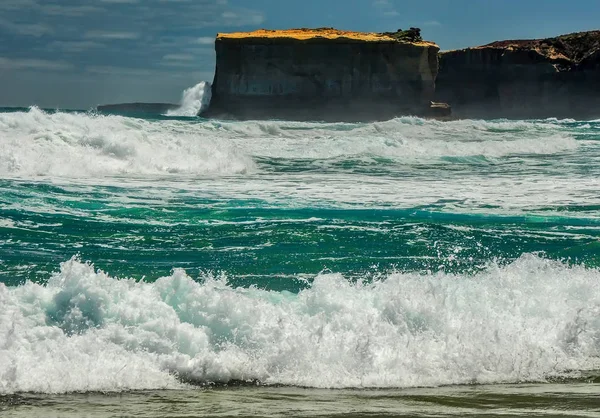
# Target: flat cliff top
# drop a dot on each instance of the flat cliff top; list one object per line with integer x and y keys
{"x": 574, "y": 47}
{"x": 305, "y": 34}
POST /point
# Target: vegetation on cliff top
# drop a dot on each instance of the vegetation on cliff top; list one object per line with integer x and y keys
{"x": 410, "y": 35}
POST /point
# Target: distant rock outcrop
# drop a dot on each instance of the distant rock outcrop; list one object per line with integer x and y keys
{"x": 323, "y": 74}
{"x": 554, "y": 77}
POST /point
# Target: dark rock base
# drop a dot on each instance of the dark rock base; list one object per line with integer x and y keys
{"x": 321, "y": 110}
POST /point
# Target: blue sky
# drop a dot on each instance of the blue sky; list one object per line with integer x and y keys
{"x": 79, "y": 53}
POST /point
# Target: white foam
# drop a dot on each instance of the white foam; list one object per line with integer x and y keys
{"x": 193, "y": 100}
{"x": 87, "y": 331}
{"x": 404, "y": 139}
{"x": 467, "y": 165}
{"x": 37, "y": 143}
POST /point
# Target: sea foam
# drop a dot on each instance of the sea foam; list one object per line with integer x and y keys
{"x": 87, "y": 331}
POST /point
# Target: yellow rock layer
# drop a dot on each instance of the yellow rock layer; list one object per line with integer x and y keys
{"x": 305, "y": 34}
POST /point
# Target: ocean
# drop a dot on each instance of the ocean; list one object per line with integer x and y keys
{"x": 175, "y": 266}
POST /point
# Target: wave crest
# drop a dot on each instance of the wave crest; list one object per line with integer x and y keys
{"x": 87, "y": 331}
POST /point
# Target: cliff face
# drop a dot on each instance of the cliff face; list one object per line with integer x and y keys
{"x": 321, "y": 74}
{"x": 554, "y": 77}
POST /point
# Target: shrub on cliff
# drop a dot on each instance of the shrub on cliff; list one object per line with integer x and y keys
{"x": 410, "y": 35}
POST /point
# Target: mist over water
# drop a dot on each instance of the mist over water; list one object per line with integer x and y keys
{"x": 166, "y": 252}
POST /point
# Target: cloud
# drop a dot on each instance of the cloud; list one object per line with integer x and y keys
{"x": 17, "y": 4}
{"x": 74, "y": 46}
{"x": 205, "y": 40}
{"x": 42, "y": 7}
{"x": 119, "y": 71}
{"x": 33, "y": 64}
{"x": 190, "y": 58}
{"x": 152, "y": 39}
{"x": 111, "y": 71}
{"x": 98, "y": 34}
{"x": 188, "y": 65}
{"x": 385, "y": 8}
{"x": 178, "y": 57}
{"x": 431, "y": 23}
{"x": 59, "y": 10}
{"x": 26, "y": 29}
{"x": 242, "y": 17}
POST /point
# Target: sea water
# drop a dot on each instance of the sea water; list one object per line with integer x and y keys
{"x": 172, "y": 264}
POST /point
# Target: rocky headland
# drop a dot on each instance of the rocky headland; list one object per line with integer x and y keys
{"x": 540, "y": 78}
{"x": 323, "y": 74}
{"x": 334, "y": 75}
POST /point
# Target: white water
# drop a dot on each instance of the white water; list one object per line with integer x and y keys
{"x": 405, "y": 162}
{"x": 59, "y": 144}
{"x": 87, "y": 331}
{"x": 193, "y": 100}
{"x": 75, "y": 145}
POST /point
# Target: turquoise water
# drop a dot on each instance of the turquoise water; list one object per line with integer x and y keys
{"x": 157, "y": 253}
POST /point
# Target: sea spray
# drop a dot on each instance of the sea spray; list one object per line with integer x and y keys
{"x": 87, "y": 331}
{"x": 193, "y": 100}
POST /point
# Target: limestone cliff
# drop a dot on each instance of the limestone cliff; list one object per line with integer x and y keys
{"x": 554, "y": 77}
{"x": 322, "y": 74}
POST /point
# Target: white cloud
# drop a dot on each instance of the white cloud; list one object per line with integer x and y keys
{"x": 58, "y": 10}
{"x": 27, "y": 29}
{"x": 205, "y": 40}
{"x": 178, "y": 57}
{"x": 74, "y": 46}
{"x": 43, "y": 7}
{"x": 189, "y": 57}
{"x": 17, "y": 4}
{"x": 135, "y": 73}
{"x": 98, "y": 34}
{"x": 240, "y": 17}
{"x": 432, "y": 23}
{"x": 188, "y": 65}
{"x": 385, "y": 8}
{"x": 119, "y": 71}
{"x": 228, "y": 14}
{"x": 34, "y": 64}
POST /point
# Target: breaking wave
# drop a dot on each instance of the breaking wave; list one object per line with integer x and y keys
{"x": 63, "y": 144}
{"x": 38, "y": 143}
{"x": 193, "y": 100}
{"x": 87, "y": 331}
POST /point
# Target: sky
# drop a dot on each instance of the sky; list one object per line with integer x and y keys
{"x": 81, "y": 53}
